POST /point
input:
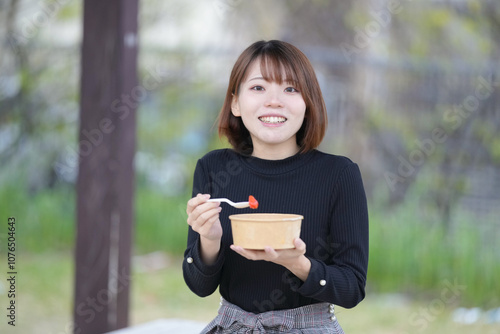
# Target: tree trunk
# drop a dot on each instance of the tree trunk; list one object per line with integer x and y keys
{"x": 105, "y": 186}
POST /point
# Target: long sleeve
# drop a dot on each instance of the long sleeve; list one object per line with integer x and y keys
{"x": 326, "y": 190}
{"x": 200, "y": 278}
{"x": 338, "y": 271}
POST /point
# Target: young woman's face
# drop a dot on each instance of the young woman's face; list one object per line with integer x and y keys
{"x": 273, "y": 114}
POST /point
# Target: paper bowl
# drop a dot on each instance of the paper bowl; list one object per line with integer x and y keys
{"x": 257, "y": 230}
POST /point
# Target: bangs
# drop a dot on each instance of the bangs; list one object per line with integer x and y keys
{"x": 277, "y": 68}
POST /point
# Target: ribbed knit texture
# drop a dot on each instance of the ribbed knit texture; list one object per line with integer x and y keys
{"x": 326, "y": 189}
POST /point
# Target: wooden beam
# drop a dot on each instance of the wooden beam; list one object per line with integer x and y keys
{"x": 105, "y": 186}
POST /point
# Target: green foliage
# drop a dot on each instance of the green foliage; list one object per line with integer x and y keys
{"x": 495, "y": 148}
{"x": 160, "y": 222}
{"x": 438, "y": 19}
{"x": 69, "y": 11}
{"x": 45, "y": 220}
{"x": 411, "y": 252}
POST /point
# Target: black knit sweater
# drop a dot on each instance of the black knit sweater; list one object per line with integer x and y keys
{"x": 326, "y": 189}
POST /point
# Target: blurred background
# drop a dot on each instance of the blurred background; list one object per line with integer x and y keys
{"x": 412, "y": 90}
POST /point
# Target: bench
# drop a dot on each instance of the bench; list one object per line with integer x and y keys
{"x": 163, "y": 326}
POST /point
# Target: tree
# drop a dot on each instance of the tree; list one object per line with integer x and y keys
{"x": 105, "y": 183}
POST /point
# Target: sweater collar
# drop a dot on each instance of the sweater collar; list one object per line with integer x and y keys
{"x": 273, "y": 167}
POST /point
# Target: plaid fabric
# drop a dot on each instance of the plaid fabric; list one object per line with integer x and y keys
{"x": 310, "y": 319}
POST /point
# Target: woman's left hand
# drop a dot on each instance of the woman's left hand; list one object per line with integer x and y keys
{"x": 292, "y": 259}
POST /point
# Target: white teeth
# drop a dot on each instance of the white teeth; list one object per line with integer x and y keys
{"x": 272, "y": 119}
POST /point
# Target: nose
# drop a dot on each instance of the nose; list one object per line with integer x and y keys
{"x": 273, "y": 98}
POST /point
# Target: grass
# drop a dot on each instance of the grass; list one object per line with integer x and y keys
{"x": 46, "y": 290}
{"x": 160, "y": 222}
{"x": 415, "y": 255}
{"x": 46, "y": 220}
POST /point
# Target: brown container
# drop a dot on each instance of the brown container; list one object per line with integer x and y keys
{"x": 257, "y": 230}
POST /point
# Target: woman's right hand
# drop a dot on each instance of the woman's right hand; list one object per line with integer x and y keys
{"x": 203, "y": 217}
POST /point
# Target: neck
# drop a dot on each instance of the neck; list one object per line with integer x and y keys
{"x": 274, "y": 153}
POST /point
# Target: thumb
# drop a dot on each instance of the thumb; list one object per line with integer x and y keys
{"x": 299, "y": 244}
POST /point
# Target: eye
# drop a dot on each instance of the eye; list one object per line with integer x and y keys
{"x": 257, "y": 88}
{"x": 291, "y": 90}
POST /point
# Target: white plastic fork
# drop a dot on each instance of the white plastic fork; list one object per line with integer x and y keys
{"x": 238, "y": 205}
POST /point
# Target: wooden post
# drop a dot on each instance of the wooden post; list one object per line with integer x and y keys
{"x": 105, "y": 186}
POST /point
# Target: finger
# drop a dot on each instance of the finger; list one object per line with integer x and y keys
{"x": 207, "y": 225}
{"x": 205, "y": 210}
{"x": 191, "y": 204}
{"x": 204, "y": 227}
{"x": 195, "y": 201}
{"x": 270, "y": 252}
{"x": 249, "y": 254}
{"x": 240, "y": 250}
{"x": 201, "y": 207}
{"x": 237, "y": 249}
{"x": 299, "y": 244}
{"x": 198, "y": 219}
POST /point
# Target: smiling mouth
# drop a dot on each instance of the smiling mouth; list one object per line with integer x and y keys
{"x": 272, "y": 119}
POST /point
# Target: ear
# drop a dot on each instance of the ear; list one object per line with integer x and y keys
{"x": 235, "y": 108}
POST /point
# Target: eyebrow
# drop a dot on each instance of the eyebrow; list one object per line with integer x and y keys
{"x": 262, "y": 78}
{"x": 256, "y": 78}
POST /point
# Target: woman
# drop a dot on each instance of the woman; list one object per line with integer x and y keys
{"x": 274, "y": 117}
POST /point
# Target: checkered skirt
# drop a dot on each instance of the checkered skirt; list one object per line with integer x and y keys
{"x": 310, "y": 319}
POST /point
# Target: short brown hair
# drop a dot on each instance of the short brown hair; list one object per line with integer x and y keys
{"x": 279, "y": 61}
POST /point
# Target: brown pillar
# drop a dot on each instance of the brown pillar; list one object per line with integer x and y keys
{"x": 105, "y": 186}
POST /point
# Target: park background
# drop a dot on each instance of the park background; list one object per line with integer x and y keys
{"x": 412, "y": 90}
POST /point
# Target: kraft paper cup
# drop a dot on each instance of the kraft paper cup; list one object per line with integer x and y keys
{"x": 257, "y": 230}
